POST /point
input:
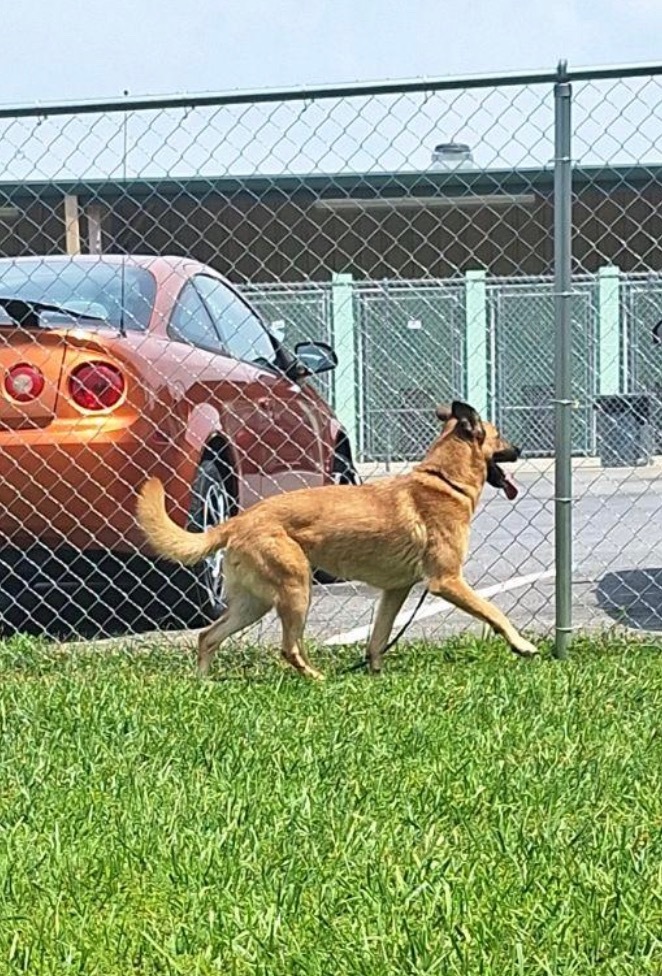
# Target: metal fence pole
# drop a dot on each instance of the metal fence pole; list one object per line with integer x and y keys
{"x": 563, "y": 358}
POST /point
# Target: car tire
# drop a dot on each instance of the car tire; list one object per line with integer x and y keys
{"x": 200, "y": 595}
{"x": 343, "y": 473}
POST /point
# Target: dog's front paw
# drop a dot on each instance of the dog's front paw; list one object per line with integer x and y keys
{"x": 525, "y": 648}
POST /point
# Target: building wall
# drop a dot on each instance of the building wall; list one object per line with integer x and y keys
{"x": 277, "y": 238}
{"x": 293, "y": 241}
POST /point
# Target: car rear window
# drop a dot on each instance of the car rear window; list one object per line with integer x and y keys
{"x": 121, "y": 294}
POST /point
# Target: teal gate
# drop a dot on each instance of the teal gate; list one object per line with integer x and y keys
{"x": 521, "y": 316}
{"x": 412, "y": 355}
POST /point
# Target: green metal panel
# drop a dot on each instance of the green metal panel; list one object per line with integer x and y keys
{"x": 609, "y": 330}
{"x": 344, "y": 333}
{"x": 476, "y": 344}
{"x": 413, "y": 357}
{"x": 523, "y": 366}
{"x": 642, "y": 308}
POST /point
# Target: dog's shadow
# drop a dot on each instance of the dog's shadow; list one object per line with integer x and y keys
{"x": 633, "y": 598}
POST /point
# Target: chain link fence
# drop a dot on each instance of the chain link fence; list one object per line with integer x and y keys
{"x": 167, "y": 264}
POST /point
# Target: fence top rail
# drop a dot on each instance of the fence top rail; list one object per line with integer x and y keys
{"x": 357, "y": 90}
{"x": 412, "y": 286}
{"x": 287, "y": 286}
{"x": 389, "y": 285}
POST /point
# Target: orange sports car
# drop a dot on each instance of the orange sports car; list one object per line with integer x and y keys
{"x": 119, "y": 367}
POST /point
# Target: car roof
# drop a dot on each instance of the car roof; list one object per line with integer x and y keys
{"x": 143, "y": 260}
{"x": 161, "y": 266}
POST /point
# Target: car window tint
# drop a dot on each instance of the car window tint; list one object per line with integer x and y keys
{"x": 191, "y": 322}
{"x": 242, "y": 332}
{"x": 121, "y": 294}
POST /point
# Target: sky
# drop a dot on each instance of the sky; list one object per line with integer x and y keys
{"x": 77, "y": 49}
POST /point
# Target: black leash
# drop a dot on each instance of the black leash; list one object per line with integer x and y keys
{"x": 363, "y": 663}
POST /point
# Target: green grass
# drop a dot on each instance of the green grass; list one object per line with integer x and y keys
{"x": 466, "y": 813}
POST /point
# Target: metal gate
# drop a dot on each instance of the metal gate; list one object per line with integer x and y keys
{"x": 412, "y": 357}
{"x": 522, "y": 327}
{"x": 298, "y": 313}
{"x": 641, "y": 310}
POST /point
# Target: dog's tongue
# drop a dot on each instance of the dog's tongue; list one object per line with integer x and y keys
{"x": 510, "y": 488}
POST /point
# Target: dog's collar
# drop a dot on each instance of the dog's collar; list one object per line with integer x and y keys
{"x": 451, "y": 484}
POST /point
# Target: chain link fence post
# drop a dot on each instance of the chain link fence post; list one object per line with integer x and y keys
{"x": 563, "y": 358}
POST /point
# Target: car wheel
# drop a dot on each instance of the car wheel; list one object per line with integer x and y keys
{"x": 343, "y": 473}
{"x": 200, "y": 590}
{"x": 211, "y": 504}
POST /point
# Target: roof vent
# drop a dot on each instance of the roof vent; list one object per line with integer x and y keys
{"x": 452, "y": 155}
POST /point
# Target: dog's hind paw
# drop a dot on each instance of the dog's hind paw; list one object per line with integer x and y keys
{"x": 525, "y": 648}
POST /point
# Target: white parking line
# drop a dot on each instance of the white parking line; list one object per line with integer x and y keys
{"x": 440, "y": 606}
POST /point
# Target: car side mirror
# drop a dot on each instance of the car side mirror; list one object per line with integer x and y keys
{"x": 317, "y": 357}
{"x": 657, "y": 332}
{"x": 277, "y": 329}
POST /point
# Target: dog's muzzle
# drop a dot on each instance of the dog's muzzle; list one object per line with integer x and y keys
{"x": 499, "y": 478}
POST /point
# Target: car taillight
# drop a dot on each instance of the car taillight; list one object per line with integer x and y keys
{"x": 96, "y": 386}
{"x": 24, "y": 382}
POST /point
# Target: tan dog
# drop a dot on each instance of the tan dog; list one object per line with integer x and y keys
{"x": 390, "y": 534}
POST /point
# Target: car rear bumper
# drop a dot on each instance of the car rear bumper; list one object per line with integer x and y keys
{"x": 81, "y": 493}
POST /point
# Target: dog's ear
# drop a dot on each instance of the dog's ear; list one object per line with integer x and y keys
{"x": 444, "y": 412}
{"x": 468, "y": 421}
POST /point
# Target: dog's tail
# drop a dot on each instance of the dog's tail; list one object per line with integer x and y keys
{"x": 166, "y": 537}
